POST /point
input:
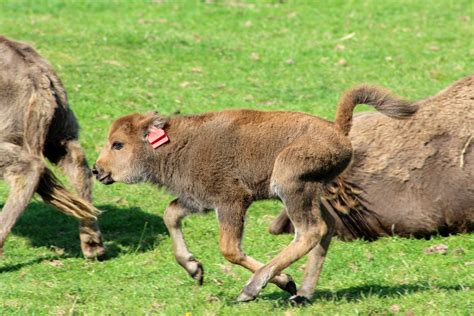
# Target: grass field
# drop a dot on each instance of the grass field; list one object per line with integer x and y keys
{"x": 117, "y": 57}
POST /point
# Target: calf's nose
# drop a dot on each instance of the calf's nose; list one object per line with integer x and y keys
{"x": 95, "y": 172}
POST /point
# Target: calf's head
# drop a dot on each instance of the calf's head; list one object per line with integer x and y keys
{"x": 124, "y": 157}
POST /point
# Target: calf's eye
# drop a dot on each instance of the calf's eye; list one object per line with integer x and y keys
{"x": 117, "y": 145}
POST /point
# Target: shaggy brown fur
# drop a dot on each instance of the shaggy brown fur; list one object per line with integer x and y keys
{"x": 411, "y": 178}
{"x": 226, "y": 160}
{"x": 36, "y": 121}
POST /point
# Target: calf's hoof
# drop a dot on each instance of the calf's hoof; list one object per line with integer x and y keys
{"x": 299, "y": 300}
{"x": 291, "y": 287}
{"x": 245, "y": 297}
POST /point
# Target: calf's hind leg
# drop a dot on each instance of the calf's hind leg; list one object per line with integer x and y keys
{"x": 74, "y": 165}
{"x": 315, "y": 262}
{"x": 296, "y": 173}
{"x": 231, "y": 220}
{"x": 309, "y": 229}
{"x": 22, "y": 172}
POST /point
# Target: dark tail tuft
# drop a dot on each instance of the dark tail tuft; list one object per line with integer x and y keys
{"x": 381, "y": 99}
{"x": 345, "y": 201}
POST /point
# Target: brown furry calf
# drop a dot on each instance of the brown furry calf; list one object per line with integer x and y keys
{"x": 36, "y": 121}
{"x": 413, "y": 178}
{"x": 226, "y": 160}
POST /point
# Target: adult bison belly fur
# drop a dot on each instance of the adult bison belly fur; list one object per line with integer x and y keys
{"x": 226, "y": 160}
{"x": 411, "y": 178}
{"x": 36, "y": 121}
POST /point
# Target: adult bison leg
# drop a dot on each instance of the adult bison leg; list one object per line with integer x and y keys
{"x": 22, "y": 166}
{"x": 74, "y": 165}
{"x": 22, "y": 172}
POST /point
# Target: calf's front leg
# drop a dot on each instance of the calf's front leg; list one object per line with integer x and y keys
{"x": 173, "y": 216}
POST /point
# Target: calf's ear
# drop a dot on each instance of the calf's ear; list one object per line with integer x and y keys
{"x": 152, "y": 119}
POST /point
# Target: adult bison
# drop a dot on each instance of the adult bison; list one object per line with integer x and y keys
{"x": 408, "y": 178}
{"x": 36, "y": 122}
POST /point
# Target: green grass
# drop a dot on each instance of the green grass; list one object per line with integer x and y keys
{"x": 117, "y": 57}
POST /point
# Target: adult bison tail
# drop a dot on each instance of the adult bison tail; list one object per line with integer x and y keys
{"x": 381, "y": 99}
{"x": 53, "y": 193}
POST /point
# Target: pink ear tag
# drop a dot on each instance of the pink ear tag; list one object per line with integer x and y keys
{"x": 157, "y": 137}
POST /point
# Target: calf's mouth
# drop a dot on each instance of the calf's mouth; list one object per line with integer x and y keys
{"x": 106, "y": 179}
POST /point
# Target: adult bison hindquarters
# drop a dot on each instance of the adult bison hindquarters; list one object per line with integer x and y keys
{"x": 410, "y": 178}
{"x": 36, "y": 122}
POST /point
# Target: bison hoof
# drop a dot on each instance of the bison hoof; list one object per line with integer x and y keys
{"x": 93, "y": 251}
{"x": 245, "y": 297}
{"x": 198, "y": 273}
{"x": 298, "y": 300}
{"x": 285, "y": 282}
{"x": 291, "y": 287}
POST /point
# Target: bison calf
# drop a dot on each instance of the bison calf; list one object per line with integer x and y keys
{"x": 226, "y": 160}
{"x": 36, "y": 121}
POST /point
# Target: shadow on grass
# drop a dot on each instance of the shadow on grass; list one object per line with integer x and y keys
{"x": 362, "y": 292}
{"x": 18, "y": 266}
{"x": 125, "y": 230}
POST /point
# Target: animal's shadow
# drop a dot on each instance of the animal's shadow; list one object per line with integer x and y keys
{"x": 362, "y": 292}
{"x": 125, "y": 229}
{"x": 357, "y": 293}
